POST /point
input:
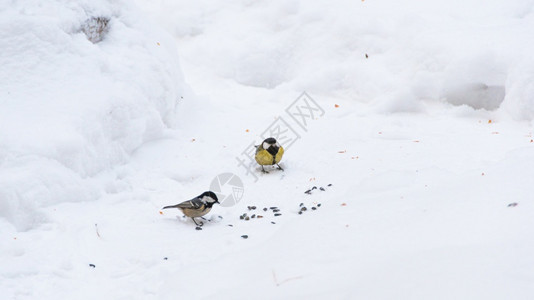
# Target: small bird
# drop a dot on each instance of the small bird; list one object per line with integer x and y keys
{"x": 198, "y": 206}
{"x": 268, "y": 153}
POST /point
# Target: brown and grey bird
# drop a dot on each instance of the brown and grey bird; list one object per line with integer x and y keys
{"x": 268, "y": 153}
{"x": 198, "y": 206}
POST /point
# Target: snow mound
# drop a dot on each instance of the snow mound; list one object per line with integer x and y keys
{"x": 71, "y": 109}
{"x": 396, "y": 55}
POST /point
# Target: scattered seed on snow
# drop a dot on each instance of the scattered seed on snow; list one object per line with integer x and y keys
{"x": 329, "y": 184}
{"x": 253, "y": 216}
{"x": 265, "y": 209}
{"x": 247, "y": 218}
{"x": 322, "y": 189}
{"x": 273, "y": 223}
{"x": 276, "y": 215}
{"x": 318, "y": 204}
{"x": 198, "y": 228}
{"x": 301, "y": 205}
{"x": 92, "y": 266}
{"x": 314, "y": 208}
{"x": 244, "y": 236}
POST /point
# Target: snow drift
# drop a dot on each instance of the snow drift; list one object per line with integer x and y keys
{"x": 396, "y": 55}
{"x": 72, "y": 109}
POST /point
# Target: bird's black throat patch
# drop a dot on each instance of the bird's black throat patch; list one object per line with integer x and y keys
{"x": 273, "y": 150}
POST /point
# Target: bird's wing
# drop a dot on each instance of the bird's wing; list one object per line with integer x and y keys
{"x": 279, "y": 155}
{"x": 194, "y": 203}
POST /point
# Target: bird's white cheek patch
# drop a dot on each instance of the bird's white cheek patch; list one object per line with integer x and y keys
{"x": 265, "y": 146}
{"x": 207, "y": 199}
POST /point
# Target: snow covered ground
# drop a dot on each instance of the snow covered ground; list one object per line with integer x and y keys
{"x": 424, "y": 151}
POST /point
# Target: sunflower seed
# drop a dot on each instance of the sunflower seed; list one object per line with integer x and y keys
{"x": 276, "y": 215}
{"x": 244, "y": 236}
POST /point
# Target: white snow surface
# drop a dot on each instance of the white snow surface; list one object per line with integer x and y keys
{"x": 426, "y": 140}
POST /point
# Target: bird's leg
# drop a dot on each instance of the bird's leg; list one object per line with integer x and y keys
{"x": 197, "y": 223}
{"x": 279, "y": 168}
{"x": 263, "y": 170}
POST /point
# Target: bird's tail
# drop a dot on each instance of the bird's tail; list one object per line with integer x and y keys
{"x": 171, "y": 206}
